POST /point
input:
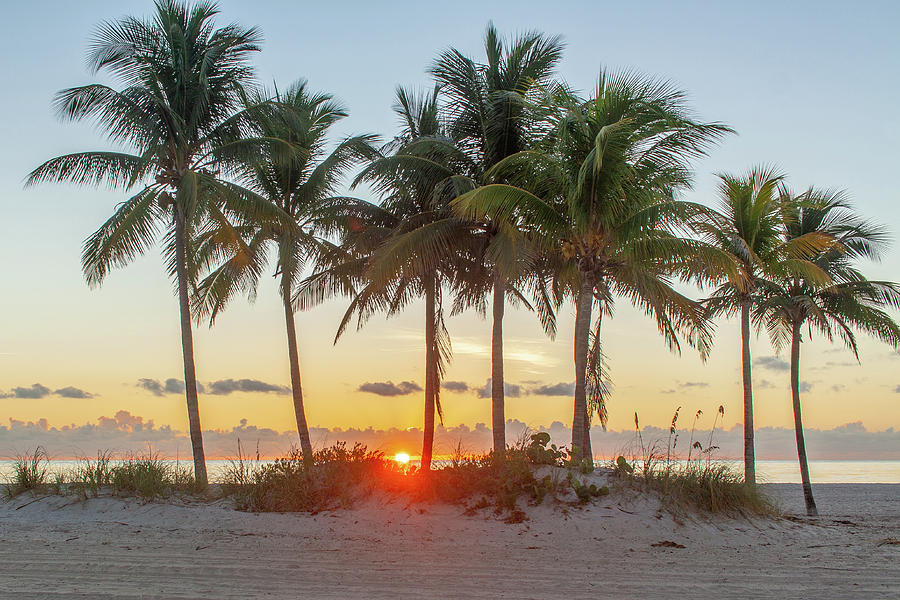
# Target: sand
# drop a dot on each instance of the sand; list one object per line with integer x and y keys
{"x": 63, "y": 548}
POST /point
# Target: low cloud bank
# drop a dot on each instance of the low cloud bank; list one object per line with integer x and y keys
{"x": 124, "y": 432}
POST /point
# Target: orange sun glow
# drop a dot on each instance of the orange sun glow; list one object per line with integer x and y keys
{"x": 401, "y": 457}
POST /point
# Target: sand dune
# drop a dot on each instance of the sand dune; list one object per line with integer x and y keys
{"x": 61, "y": 548}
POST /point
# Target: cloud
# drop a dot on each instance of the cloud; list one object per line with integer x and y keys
{"x": 804, "y": 386}
{"x": 37, "y": 391}
{"x": 838, "y": 387}
{"x": 668, "y": 391}
{"x": 557, "y": 389}
{"x": 455, "y": 386}
{"x": 73, "y": 392}
{"x": 151, "y": 385}
{"x": 389, "y": 388}
{"x": 693, "y": 384}
{"x": 510, "y": 390}
{"x": 31, "y": 393}
{"x": 897, "y": 390}
{"x": 170, "y": 386}
{"x": 772, "y": 363}
{"x": 124, "y": 432}
{"x": 765, "y": 384}
{"x": 223, "y": 387}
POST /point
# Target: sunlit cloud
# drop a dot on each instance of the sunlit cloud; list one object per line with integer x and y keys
{"x": 125, "y": 432}
{"x": 693, "y": 384}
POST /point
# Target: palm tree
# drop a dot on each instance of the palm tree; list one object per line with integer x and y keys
{"x": 298, "y": 179}
{"x": 374, "y": 265}
{"x": 847, "y": 302}
{"x": 747, "y": 226}
{"x": 487, "y": 107}
{"x": 183, "y": 81}
{"x": 601, "y": 189}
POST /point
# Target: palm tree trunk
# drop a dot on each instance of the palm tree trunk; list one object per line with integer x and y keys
{"x": 430, "y": 375}
{"x": 811, "y": 509}
{"x": 749, "y": 451}
{"x": 580, "y": 445}
{"x": 498, "y": 415}
{"x": 296, "y": 387}
{"x": 187, "y": 349}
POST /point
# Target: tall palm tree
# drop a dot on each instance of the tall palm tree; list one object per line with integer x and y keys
{"x": 748, "y": 227}
{"x": 489, "y": 120}
{"x": 178, "y": 114}
{"x": 298, "y": 178}
{"x": 373, "y": 263}
{"x": 602, "y": 190}
{"x": 847, "y": 302}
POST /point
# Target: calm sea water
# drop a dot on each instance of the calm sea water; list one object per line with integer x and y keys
{"x": 768, "y": 471}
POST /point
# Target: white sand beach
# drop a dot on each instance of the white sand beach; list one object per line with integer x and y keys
{"x": 62, "y": 548}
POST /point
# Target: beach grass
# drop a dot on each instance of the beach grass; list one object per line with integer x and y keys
{"x": 530, "y": 473}
{"x": 145, "y": 475}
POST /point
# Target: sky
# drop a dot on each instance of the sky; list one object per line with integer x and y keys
{"x": 811, "y": 87}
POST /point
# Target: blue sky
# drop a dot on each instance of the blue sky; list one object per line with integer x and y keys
{"x": 811, "y": 87}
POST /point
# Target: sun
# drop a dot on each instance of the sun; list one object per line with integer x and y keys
{"x": 401, "y": 457}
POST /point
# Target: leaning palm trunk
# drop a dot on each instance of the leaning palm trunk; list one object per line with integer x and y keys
{"x": 749, "y": 452}
{"x": 296, "y": 387}
{"x": 580, "y": 440}
{"x": 811, "y": 509}
{"x": 187, "y": 348}
{"x": 430, "y": 374}
{"x": 498, "y": 414}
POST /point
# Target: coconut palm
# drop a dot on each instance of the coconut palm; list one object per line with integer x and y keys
{"x": 601, "y": 190}
{"x": 373, "y": 264}
{"x": 748, "y": 226}
{"x": 846, "y": 302}
{"x": 177, "y": 113}
{"x": 298, "y": 178}
{"x": 487, "y": 106}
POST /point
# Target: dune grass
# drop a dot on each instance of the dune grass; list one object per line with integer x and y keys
{"x": 697, "y": 484}
{"x": 30, "y": 473}
{"x": 342, "y": 476}
{"x": 143, "y": 475}
{"x": 531, "y": 472}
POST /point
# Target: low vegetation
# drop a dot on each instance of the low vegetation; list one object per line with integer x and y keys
{"x": 698, "y": 483}
{"x": 530, "y": 473}
{"x": 145, "y": 476}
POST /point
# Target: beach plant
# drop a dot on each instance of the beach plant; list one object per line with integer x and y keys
{"x": 601, "y": 190}
{"x": 30, "y": 472}
{"x": 90, "y": 476}
{"x": 692, "y": 485}
{"x": 837, "y": 307}
{"x": 747, "y": 225}
{"x": 148, "y": 476}
{"x": 178, "y": 114}
{"x": 298, "y": 178}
